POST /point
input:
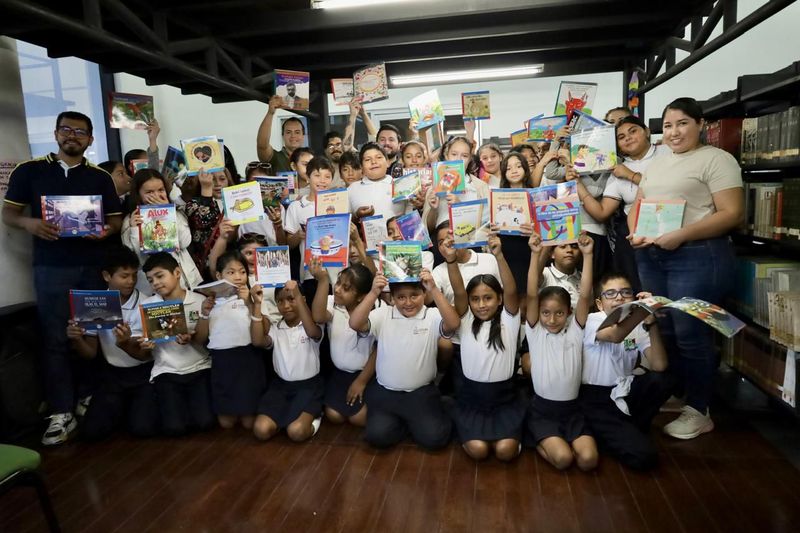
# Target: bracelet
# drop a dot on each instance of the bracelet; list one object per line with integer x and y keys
{"x": 277, "y": 223}
{"x": 204, "y": 317}
{"x": 256, "y": 318}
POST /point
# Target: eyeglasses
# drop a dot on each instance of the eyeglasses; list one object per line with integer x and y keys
{"x": 610, "y": 294}
{"x": 258, "y": 164}
{"x": 66, "y": 131}
{"x": 252, "y": 237}
{"x": 334, "y": 145}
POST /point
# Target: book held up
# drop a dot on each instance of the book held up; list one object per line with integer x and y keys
{"x": 159, "y": 229}
{"x": 555, "y": 213}
{"x": 594, "y": 150}
{"x": 426, "y": 109}
{"x": 293, "y": 86}
{"x": 510, "y": 209}
{"x": 163, "y": 321}
{"x": 470, "y": 223}
{"x": 401, "y": 261}
{"x": 75, "y": 216}
{"x": 271, "y": 265}
{"x": 328, "y": 240}
{"x": 95, "y": 310}
{"x": 370, "y": 83}
{"x": 374, "y": 231}
{"x": 657, "y": 217}
{"x": 332, "y": 202}
{"x": 130, "y": 111}
{"x": 449, "y": 177}
{"x": 475, "y": 105}
{"x": 203, "y": 153}
{"x": 243, "y": 203}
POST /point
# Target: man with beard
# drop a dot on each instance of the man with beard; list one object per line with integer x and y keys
{"x": 389, "y": 140}
{"x": 333, "y": 149}
{"x": 61, "y": 264}
{"x": 293, "y": 132}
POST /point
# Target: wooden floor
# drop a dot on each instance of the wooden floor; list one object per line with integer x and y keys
{"x": 729, "y": 480}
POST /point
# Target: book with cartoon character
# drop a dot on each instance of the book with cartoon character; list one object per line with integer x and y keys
{"x": 555, "y": 213}
{"x": 243, "y": 203}
{"x": 657, "y": 217}
{"x": 75, "y": 215}
{"x": 271, "y": 265}
{"x": 594, "y": 150}
{"x": 470, "y": 223}
{"x": 273, "y": 190}
{"x": 401, "y": 261}
{"x": 94, "y": 310}
{"x": 406, "y": 186}
{"x": 163, "y": 321}
{"x": 130, "y": 111}
{"x": 581, "y": 121}
{"x": 575, "y": 96}
{"x": 203, "y": 153}
{"x": 332, "y": 202}
{"x": 159, "y": 229}
{"x": 449, "y": 177}
{"x": 426, "y": 109}
{"x": 510, "y": 208}
{"x": 328, "y": 239}
{"x": 475, "y": 105}
{"x": 544, "y": 129}
{"x": 370, "y": 83}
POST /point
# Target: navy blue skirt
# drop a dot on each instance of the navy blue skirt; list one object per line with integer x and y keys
{"x": 238, "y": 380}
{"x": 549, "y": 418}
{"x": 285, "y": 401}
{"x": 336, "y": 387}
{"x": 488, "y": 411}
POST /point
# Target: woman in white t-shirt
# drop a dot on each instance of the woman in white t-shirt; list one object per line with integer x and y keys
{"x": 695, "y": 260}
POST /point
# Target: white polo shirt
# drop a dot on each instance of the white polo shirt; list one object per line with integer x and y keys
{"x": 478, "y": 263}
{"x": 116, "y": 356}
{"x": 295, "y": 355}
{"x": 349, "y": 350}
{"x": 625, "y": 190}
{"x": 481, "y": 362}
{"x": 376, "y": 193}
{"x": 229, "y": 324}
{"x": 553, "y": 277}
{"x": 406, "y": 347}
{"x": 556, "y": 360}
{"x": 296, "y": 218}
{"x": 604, "y": 362}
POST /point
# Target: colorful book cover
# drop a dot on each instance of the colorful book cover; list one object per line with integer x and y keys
{"x": 328, "y": 239}
{"x": 130, "y": 111}
{"x": 449, "y": 177}
{"x": 94, "y": 310}
{"x": 163, "y": 321}
{"x": 243, "y": 203}
{"x": 657, "y": 217}
{"x": 475, "y": 105}
{"x": 575, "y": 96}
{"x": 374, "y": 231}
{"x": 174, "y": 165}
{"x": 544, "y": 129}
{"x": 218, "y": 289}
{"x": 412, "y": 229}
{"x": 510, "y": 208}
{"x": 581, "y": 121}
{"x": 272, "y": 267}
{"x": 470, "y": 223}
{"x": 332, "y": 202}
{"x": 370, "y": 83}
{"x": 273, "y": 190}
{"x": 75, "y": 216}
{"x": 293, "y": 86}
{"x": 203, "y": 153}
{"x": 291, "y": 176}
{"x": 426, "y": 109}
{"x": 401, "y": 261}
{"x": 159, "y": 229}
{"x": 557, "y": 222}
{"x": 566, "y": 190}
{"x": 406, "y": 186}
{"x": 425, "y": 176}
{"x": 139, "y": 164}
{"x": 519, "y": 137}
{"x": 342, "y": 89}
{"x": 594, "y": 150}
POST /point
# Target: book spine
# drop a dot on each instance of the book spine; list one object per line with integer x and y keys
{"x": 145, "y": 333}
{"x": 793, "y": 138}
{"x": 777, "y": 223}
{"x": 72, "y": 304}
{"x": 775, "y": 137}
{"x": 730, "y": 135}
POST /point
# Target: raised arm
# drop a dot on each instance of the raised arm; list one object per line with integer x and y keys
{"x": 586, "y": 245}
{"x": 460, "y": 298}
{"x": 359, "y": 318}
{"x": 319, "y": 306}
{"x": 350, "y": 129}
{"x": 311, "y": 328}
{"x": 355, "y": 240}
{"x": 534, "y": 273}
{"x": 450, "y": 317}
{"x": 510, "y": 297}
{"x": 264, "y": 149}
{"x": 600, "y": 211}
{"x": 259, "y": 328}
{"x": 226, "y": 232}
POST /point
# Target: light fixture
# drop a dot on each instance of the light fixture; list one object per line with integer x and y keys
{"x": 335, "y": 4}
{"x": 466, "y": 75}
{"x": 456, "y": 132}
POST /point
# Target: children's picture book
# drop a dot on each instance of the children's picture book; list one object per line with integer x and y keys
{"x": 406, "y": 186}
{"x": 519, "y": 137}
{"x": 510, "y": 208}
{"x": 342, "y": 89}
{"x": 475, "y": 105}
{"x": 273, "y": 190}
{"x": 544, "y": 129}
{"x": 203, "y": 153}
{"x": 566, "y": 190}
{"x": 159, "y": 229}
{"x": 401, "y": 261}
{"x": 271, "y": 265}
{"x": 243, "y": 203}
{"x": 425, "y": 176}
{"x": 130, "y": 111}
{"x": 291, "y": 177}
{"x": 370, "y": 83}
{"x": 93, "y": 310}
{"x": 75, "y": 216}
{"x": 374, "y": 231}
{"x": 449, "y": 177}
{"x": 426, "y": 109}
{"x": 139, "y": 164}
{"x": 594, "y": 150}
{"x": 657, "y": 217}
{"x": 163, "y": 321}
{"x": 470, "y": 223}
{"x": 218, "y": 289}
{"x": 713, "y": 315}
{"x": 174, "y": 165}
{"x": 581, "y": 121}
{"x": 293, "y": 86}
{"x": 328, "y": 239}
{"x": 332, "y": 202}
{"x": 575, "y": 96}
{"x": 412, "y": 229}
{"x": 555, "y": 213}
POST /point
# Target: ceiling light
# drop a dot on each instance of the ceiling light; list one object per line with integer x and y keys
{"x": 466, "y": 75}
{"x": 335, "y": 4}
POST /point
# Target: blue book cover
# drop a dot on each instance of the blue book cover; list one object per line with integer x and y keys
{"x": 328, "y": 239}
{"x": 412, "y": 229}
{"x": 581, "y": 121}
{"x": 163, "y": 321}
{"x": 94, "y": 310}
{"x": 75, "y": 216}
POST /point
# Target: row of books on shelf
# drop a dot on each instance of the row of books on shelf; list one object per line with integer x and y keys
{"x": 771, "y": 138}
{"x": 771, "y": 209}
{"x": 755, "y": 278}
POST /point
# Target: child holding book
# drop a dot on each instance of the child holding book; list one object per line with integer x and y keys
{"x": 181, "y": 367}
{"x": 150, "y": 188}
{"x": 488, "y": 416}
{"x": 394, "y": 234}
{"x": 126, "y": 395}
{"x": 373, "y": 194}
{"x": 298, "y": 162}
{"x": 293, "y": 400}
{"x": 555, "y": 337}
{"x": 204, "y": 211}
{"x": 490, "y": 156}
{"x": 352, "y": 354}
{"x": 403, "y": 399}
{"x": 233, "y": 326}
{"x": 414, "y": 155}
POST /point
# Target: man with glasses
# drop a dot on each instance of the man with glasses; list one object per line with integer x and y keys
{"x": 59, "y": 263}
{"x": 334, "y": 148}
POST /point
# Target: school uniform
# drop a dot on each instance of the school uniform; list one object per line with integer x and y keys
{"x": 556, "y": 375}
{"x": 403, "y": 398}
{"x": 269, "y": 307}
{"x": 181, "y": 377}
{"x": 618, "y": 405}
{"x": 264, "y": 227}
{"x": 238, "y": 377}
{"x": 298, "y": 386}
{"x": 377, "y": 193}
{"x": 487, "y": 406}
{"x": 125, "y": 392}
{"x": 297, "y": 216}
{"x": 553, "y": 277}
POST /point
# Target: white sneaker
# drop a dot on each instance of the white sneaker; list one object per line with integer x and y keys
{"x": 673, "y": 405}
{"x": 83, "y": 406}
{"x": 62, "y": 425}
{"x": 689, "y": 424}
{"x": 316, "y": 423}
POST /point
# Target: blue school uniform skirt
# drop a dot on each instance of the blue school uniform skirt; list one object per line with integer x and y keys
{"x": 285, "y": 401}
{"x": 550, "y": 418}
{"x": 336, "y": 387}
{"x": 488, "y": 411}
{"x": 238, "y": 380}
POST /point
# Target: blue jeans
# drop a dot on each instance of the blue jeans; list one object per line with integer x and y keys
{"x": 700, "y": 269}
{"x": 61, "y": 369}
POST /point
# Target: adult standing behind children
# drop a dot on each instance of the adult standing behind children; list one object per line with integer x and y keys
{"x": 292, "y": 130}
{"x": 695, "y": 260}
{"x": 61, "y": 264}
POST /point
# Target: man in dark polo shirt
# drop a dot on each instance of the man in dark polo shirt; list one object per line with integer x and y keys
{"x": 59, "y": 263}
{"x": 293, "y": 132}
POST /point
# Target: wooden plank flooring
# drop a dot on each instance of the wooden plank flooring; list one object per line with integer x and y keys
{"x": 730, "y": 480}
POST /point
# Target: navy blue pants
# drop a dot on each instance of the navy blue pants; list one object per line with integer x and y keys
{"x": 184, "y": 402}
